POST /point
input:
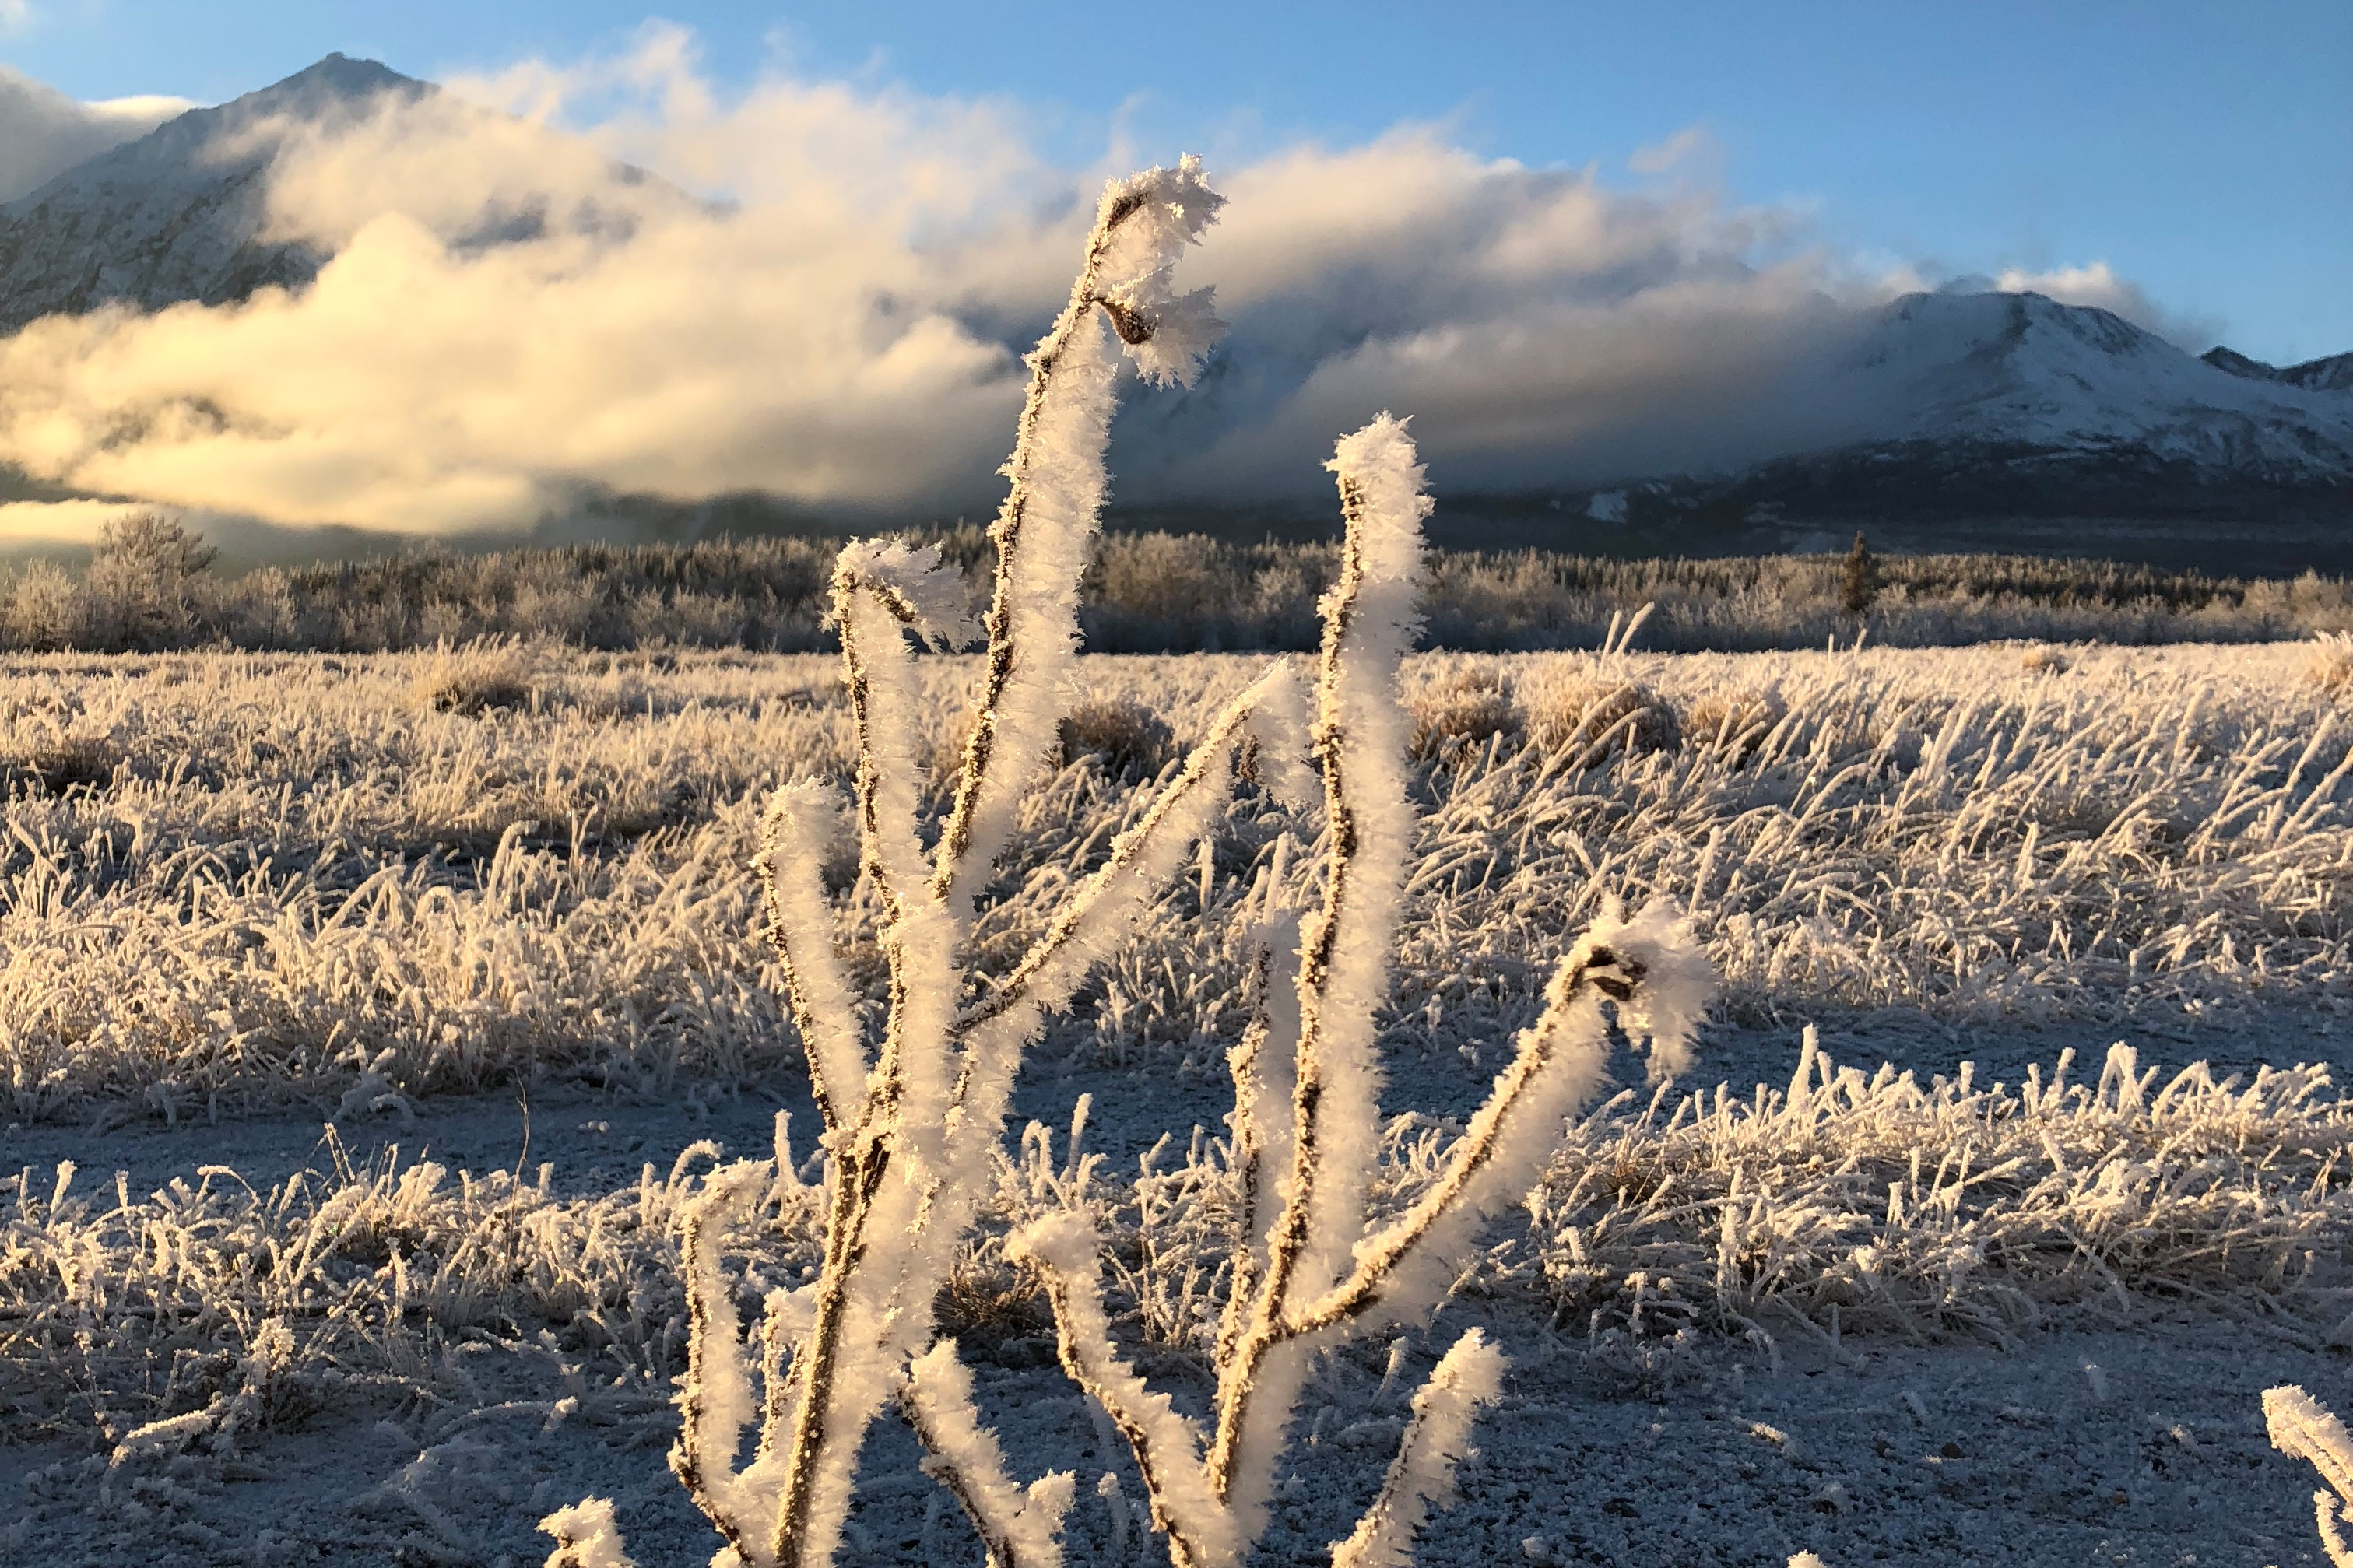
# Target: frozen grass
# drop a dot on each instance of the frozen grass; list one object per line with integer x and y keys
{"x": 234, "y": 881}
{"x": 1856, "y": 1201}
{"x": 216, "y": 1307}
{"x": 1846, "y": 1204}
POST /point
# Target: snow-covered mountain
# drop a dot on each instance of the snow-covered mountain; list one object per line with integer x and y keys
{"x": 2333, "y": 374}
{"x": 184, "y": 214}
{"x": 2022, "y": 372}
{"x": 2010, "y": 421}
{"x": 180, "y": 213}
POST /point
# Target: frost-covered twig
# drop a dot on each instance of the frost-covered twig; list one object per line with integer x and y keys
{"x": 1310, "y": 1273}
{"x": 1054, "y": 498}
{"x": 1465, "y": 1380}
{"x": 1019, "y": 1526}
{"x": 585, "y": 1536}
{"x": 908, "y": 1139}
{"x": 2302, "y": 1429}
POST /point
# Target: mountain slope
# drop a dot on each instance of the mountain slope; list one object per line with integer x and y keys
{"x": 2079, "y": 384}
{"x": 184, "y": 212}
{"x": 178, "y": 215}
{"x": 2012, "y": 422}
{"x": 2333, "y": 374}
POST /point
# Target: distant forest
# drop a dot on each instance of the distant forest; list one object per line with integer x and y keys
{"x": 150, "y": 586}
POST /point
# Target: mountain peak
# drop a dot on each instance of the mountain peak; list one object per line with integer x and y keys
{"x": 333, "y": 90}
{"x": 182, "y": 214}
{"x": 342, "y": 74}
{"x": 2237, "y": 364}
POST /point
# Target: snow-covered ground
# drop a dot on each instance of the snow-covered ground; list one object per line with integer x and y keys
{"x": 495, "y": 913}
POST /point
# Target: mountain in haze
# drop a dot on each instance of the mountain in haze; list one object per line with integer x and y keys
{"x": 178, "y": 215}
{"x": 2010, "y": 421}
{"x": 1947, "y": 420}
{"x": 182, "y": 214}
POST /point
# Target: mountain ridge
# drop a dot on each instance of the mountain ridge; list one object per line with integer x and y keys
{"x": 2331, "y": 373}
{"x": 177, "y": 215}
{"x": 1941, "y": 408}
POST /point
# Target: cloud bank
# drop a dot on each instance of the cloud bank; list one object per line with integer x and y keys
{"x": 825, "y": 296}
{"x": 42, "y": 133}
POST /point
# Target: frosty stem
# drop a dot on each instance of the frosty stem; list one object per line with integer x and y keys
{"x": 906, "y": 1136}
{"x": 1310, "y": 1274}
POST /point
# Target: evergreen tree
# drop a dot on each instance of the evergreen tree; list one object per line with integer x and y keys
{"x": 1858, "y": 585}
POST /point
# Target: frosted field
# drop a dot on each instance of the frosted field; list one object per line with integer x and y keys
{"x": 492, "y": 916}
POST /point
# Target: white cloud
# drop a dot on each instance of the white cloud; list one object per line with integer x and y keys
{"x": 1539, "y": 324}
{"x": 42, "y": 133}
{"x": 15, "y": 15}
{"x": 2097, "y": 284}
{"x": 845, "y": 332}
{"x": 53, "y": 523}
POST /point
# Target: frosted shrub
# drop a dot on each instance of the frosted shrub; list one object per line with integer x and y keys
{"x": 44, "y": 610}
{"x": 1736, "y": 719}
{"x": 144, "y": 578}
{"x": 1590, "y": 716}
{"x": 480, "y": 676}
{"x": 2331, "y": 664}
{"x": 59, "y": 760}
{"x": 1460, "y": 714}
{"x": 914, "y": 1123}
{"x": 1126, "y": 735}
{"x": 2044, "y": 659}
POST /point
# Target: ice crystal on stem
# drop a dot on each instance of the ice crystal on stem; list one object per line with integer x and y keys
{"x": 914, "y": 1118}
{"x": 2302, "y": 1429}
{"x": 1305, "y": 1271}
{"x": 911, "y": 1120}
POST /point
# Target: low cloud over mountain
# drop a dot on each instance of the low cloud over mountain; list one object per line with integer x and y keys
{"x": 42, "y": 133}
{"x": 353, "y": 299}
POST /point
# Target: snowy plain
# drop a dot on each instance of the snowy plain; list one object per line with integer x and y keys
{"x": 493, "y": 910}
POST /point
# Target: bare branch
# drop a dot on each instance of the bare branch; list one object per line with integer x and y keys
{"x": 1369, "y": 619}
{"x": 1054, "y": 497}
{"x": 714, "y": 1403}
{"x": 1064, "y": 1251}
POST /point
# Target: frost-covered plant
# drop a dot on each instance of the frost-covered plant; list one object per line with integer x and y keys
{"x": 910, "y": 1133}
{"x": 1129, "y": 737}
{"x": 1461, "y": 715}
{"x": 1591, "y": 716}
{"x": 2302, "y": 1429}
{"x": 1734, "y": 719}
{"x": 912, "y": 1136}
{"x": 2330, "y": 667}
{"x": 480, "y": 676}
{"x": 1306, "y": 1124}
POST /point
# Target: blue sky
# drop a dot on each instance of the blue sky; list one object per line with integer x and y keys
{"x": 2201, "y": 151}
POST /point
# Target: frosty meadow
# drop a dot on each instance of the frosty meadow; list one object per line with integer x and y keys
{"x": 375, "y": 885}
